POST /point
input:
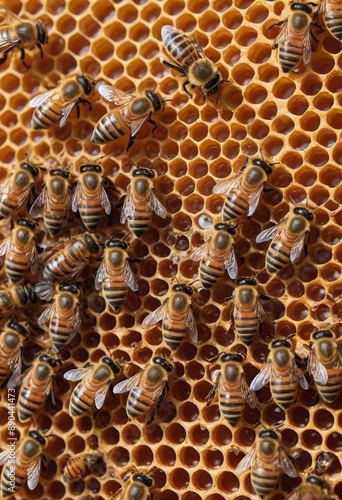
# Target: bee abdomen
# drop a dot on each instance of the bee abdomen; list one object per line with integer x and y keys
{"x": 210, "y": 274}
{"x": 137, "y": 404}
{"x": 80, "y": 402}
{"x": 57, "y": 269}
{"x": 91, "y": 215}
{"x": 289, "y": 58}
{"x": 232, "y": 408}
{"x": 54, "y": 223}
{"x": 246, "y": 328}
{"x": 234, "y": 206}
{"x": 29, "y": 403}
{"x": 264, "y": 480}
{"x": 283, "y": 393}
{"x": 108, "y": 129}
{"x": 277, "y": 257}
{"x": 6, "y": 481}
{"x": 173, "y": 336}
{"x": 8, "y": 206}
{"x": 139, "y": 223}
{"x": 330, "y": 390}
{"x": 334, "y": 24}
{"x": 115, "y": 295}
{"x": 46, "y": 115}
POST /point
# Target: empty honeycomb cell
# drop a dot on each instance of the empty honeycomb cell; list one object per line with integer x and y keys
{"x": 331, "y": 235}
{"x": 179, "y": 479}
{"x": 210, "y": 150}
{"x": 242, "y": 74}
{"x": 334, "y": 441}
{"x": 310, "y": 121}
{"x": 119, "y": 456}
{"x": 323, "y": 101}
{"x": 202, "y": 480}
{"x": 337, "y": 155}
{"x": 312, "y": 439}
{"x": 221, "y": 38}
{"x": 257, "y": 13}
{"x": 299, "y": 416}
{"x": 238, "y": 132}
{"x": 255, "y": 94}
{"x": 232, "y": 55}
{"x": 103, "y": 49}
{"x": 317, "y": 156}
{"x": 259, "y": 130}
{"x": 199, "y": 131}
{"x": 259, "y": 53}
{"x": 228, "y": 482}
{"x": 126, "y": 51}
{"x": 189, "y": 457}
{"x": 321, "y": 254}
{"x": 149, "y": 50}
{"x": 209, "y": 21}
{"x": 268, "y": 73}
{"x": 311, "y": 85}
{"x": 273, "y": 145}
{"x": 142, "y": 456}
{"x": 179, "y": 132}
{"x": 334, "y": 118}
{"x": 153, "y": 433}
{"x": 185, "y": 185}
{"x": 244, "y": 436}
{"x": 186, "y": 22}
{"x": 332, "y": 272}
{"x": 209, "y": 114}
{"x": 284, "y": 88}
{"x": 66, "y": 24}
{"x": 166, "y": 456}
{"x": 193, "y": 204}
{"x": 78, "y": 44}
{"x": 232, "y": 19}
{"x": 219, "y": 132}
{"x": 319, "y": 195}
{"x": 245, "y": 114}
{"x": 299, "y": 141}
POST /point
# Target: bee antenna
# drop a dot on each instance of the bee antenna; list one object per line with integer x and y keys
{"x": 214, "y": 358}
{"x": 133, "y": 162}
{"x": 262, "y": 154}
{"x": 189, "y": 284}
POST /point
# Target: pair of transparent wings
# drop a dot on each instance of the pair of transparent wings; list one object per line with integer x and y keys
{"x": 229, "y": 185}
{"x": 277, "y": 231}
{"x": 52, "y": 312}
{"x": 6, "y": 246}
{"x": 317, "y": 369}
{"x": 8, "y": 18}
{"x": 265, "y": 375}
{"x": 15, "y": 364}
{"x": 286, "y": 35}
{"x": 163, "y": 313}
{"x": 33, "y": 470}
{"x": 79, "y": 374}
{"x": 222, "y": 388}
{"x": 128, "y": 276}
{"x": 229, "y": 262}
{"x": 43, "y": 200}
{"x": 282, "y": 461}
{"x": 47, "y": 99}
{"x": 80, "y": 196}
{"x": 135, "y": 383}
{"x": 129, "y": 206}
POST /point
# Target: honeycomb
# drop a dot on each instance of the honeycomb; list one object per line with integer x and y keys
{"x": 296, "y": 120}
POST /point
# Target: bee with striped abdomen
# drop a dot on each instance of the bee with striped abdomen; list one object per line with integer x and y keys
{"x": 146, "y": 388}
{"x": 128, "y": 118}
{"x": 115, "y": 274}
{"x": 312, "y": 488}
{"x": 70, "y": 258}
{"x": 288, "y": 239}
{"x": 19, "y": 33}
{"x": 15, "y": 297}
{"x": 54, "y": 202}
{"x": 55, "y": 106}
{"x": 233, "y": 391}
{"x": 11, "y": 345}
{"x": 186, "y": 57}
{"x": 266, "y": 459}
{"x": 25, "y": 466}
{"x": 90, "y": 197}
{"x": 15, "y": 189}
{"x": 216, "y": 255}
{"x": 63, "y": 314}
{"x": 95, "y": 382}
{"x": 137, "y": 486}
{"x": 243, "y": 190}
{"x": 293, "y": 42}
{"x": 331, "y": 11}
{"x": 282, "y": 373}
{"x": 176, "y": 315}
{"x": 325, "y": 364}
{"x": 79, "y": 467}
{"x": 20, "y": 251}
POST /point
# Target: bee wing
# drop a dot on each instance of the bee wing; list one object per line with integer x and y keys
{"x": 226, "y": 186}
{"x": 7, "y": 17}
{"x": 247, "y": 462}
{"x": 66, "y": 112}
{"x": 262, "y": 378}
{"x": 39, "y": 99}
{"x": 113, "y": 94}
{"x": 284, "y": 463}
{"x": 4, "y": 457}
{"x": 215, "y": 376}
{"x": 77, "y": 373}
{"x": 8, "y": 44}
{"x": 307, "y": 47}
{"x": 317, "y": 369}
{"x": 76, "y": 195}
{"x": 4, "y": 186}
{"x": 33, "y": 473}
{"x": 156, "y": 205}
{"x": 4, "y": 245}
{"x": 44, "y": 290}
{"x": 260, "y": 312}
{"x": 190, "y": 322}
{"x": 269, "y": 234}
{"x": 135, "y": 124}
{"x": 100, "y": 396}
{"x": 106, "y": 204}
{"x": 201, "y": 252}
{"x": 254, "y": 200}
{"x": 38, "y": 205}
{"x": 128, "y": 207}
{"x": 298, "y": 376}
{"x": 157, "y": 393}
{"x": 154, "y": 317}
{"x": 283, "y": 35}
{"x": 34, "y": 259}
{"x": 246, "y": 393}
{"x": 75, "y": 324}
{"x": 128, "y": 384}
{"x": 15, "y": 362}
{"x": 46, "y": 314}
{"x": 129, "y": 278}
{"x": 297, "y": 249}
{"x": 231, "y": 264}
{"x": 100, "y": 275}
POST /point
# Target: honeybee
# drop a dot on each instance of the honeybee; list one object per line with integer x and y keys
{"x": 313, "y": 488}
{"x": 21, "y": 465}
{"x": 35, "y": 386}
{"x": 216, "y": 255}
{"x": 141, "y": 201}
{"x": 55, "y": 106}
{"x": 19, "y": 33}
{"x": 293, "y": 42}
{"x": 70, "y": 259}
{"x": 325, "y": 364}
{"x": 288, "y": 239}
{"x": 243, "y": 190}
{"x": 282, "y": 373}
{"x": 90, "y": 197}
{"x": 63, "y": 314}
{"x": 176, "y": 315}
{"x": 16, "y": 296}
{"x": 331, "y": 12}
{"x": 54, "y": 202}
{"x": 146, "y": 388}
{"x": 230, "y": 381}
{"x": 187, "y": 58}
{"x": 137, "y": 485}
{"x": 266, "y": 459}
{"x": 79, "y": 466}
{"x": 20, "y": 251}
{"x": 115, "y": 274}
{"x": 94, "y": 385}
{"x": 11, "y": 344}
{"x": 15, "y": 189}
{"x": 133, "y": 112}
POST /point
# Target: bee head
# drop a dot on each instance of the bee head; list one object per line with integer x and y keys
{"x": 45, "y": 358}
{"x": 86, "y": 84}
{"x": 158, "y": 360}
{"x": 38, "y": 437}
{"x": 107, "y": 361}
{"x": 155, "y": 99}
{"x": 26, "y": 223}
{"x": 116, "y": 244}
{"x": 304, "y": 212}
{"x": 90, "y": 167}
{"x": 146, "y": 172}
{"x": 26, "y": 166}
{"x": 225, "y": 227}
{"x": 322, "y": 334}
{"x": 43, "y": 36}
{"x": 67, "y": 287}
{"x": 142, "y": 478}
{"x": 91, "y": 243}
{"x": 60, "y": 173}
{"x": 180, "y": 287}
{"x": 301, "y": 6}
{"x": 232, "y": 356}
{"x": 281, "y": 343}
{"x": 268, "y": 433}
{"x": 265, "y": 166}
{"x": 316, "y": 480}
{"x": 245, "y": 281}
{"x": 17, "y": 328}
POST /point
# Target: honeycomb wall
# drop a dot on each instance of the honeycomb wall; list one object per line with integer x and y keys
{"x": 296, "y": 120}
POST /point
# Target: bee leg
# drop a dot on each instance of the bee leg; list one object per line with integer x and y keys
{"x": 173, "y": 66}
{"x": 203, "y": 94}
{"x": 96, "y": 412}
{"x": 23, "y": 59}
{"x": 264, "y": 297}
{"x": 152, "y": 123}
{"x": 185, "y": 89}
{"x": 131, "y": 142}
{"x": 227, "y": 299}
{"x": 77, "y": 110}
{"x": 44, "y": 462}
{"x": 277, "y": 24}
{"x": 85, "y": 101}
{"x": 240, "y": 257}
{"x": 317, "y": 26}
{"x": 5, "y": 54}
{"x": 41, "y": 50}
{"x": 313, "y": 36}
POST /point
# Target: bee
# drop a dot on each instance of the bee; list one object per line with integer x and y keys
{"x": 216, "y": 255}
{"x": 63, "y": 314}
{"x": 138, "y": 486}
{"x": 230, "y": 381}
{"x": 70, "y": 259}
{"x": 11, "y": 345}
{"x": 54, "y": 202}
{"x": 288, "y": 239}
{"x": 79, "y": 466}
{"x": 35, "y": 386}
{"x": 95, "y": 382}
{"x": 331, "y": 11}
{"x": 21, "y": 465}
{"x": 325, "y": 364}
{"x": 20, "y": 251}
{"x": 15, "y": 189}
{"x": 55, "y": 106}
{"x": 19, "y": 33}
{"x": 293, "y": 42}
{"x": 282, "y": 373}
{"x": 176, "y": 315}
{"x": 16, "y": 296}
{"x": 313, "y": 488}
{"x": 133, "y": 112}
{"x": 187, "y": 58}
{"x": 146, "y": 388}
{"x": 90, "y": 197}
{"x": 141, "y": 201}
{"x": 266, "y": 459}
{"x": 243, "y": 190}
{"x": 115, "y": 274}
